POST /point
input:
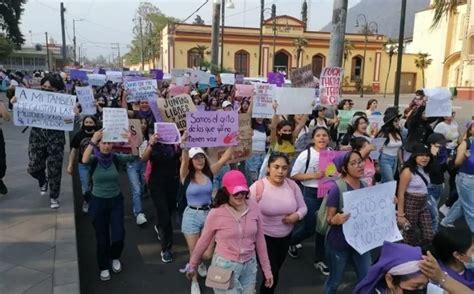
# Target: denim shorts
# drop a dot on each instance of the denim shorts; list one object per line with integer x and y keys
{"x": 193, "y": 221}
{"x": 245, "y": 275}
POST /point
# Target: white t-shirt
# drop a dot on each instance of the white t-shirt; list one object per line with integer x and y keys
{"x": 450, "y": 132}
{"x": 300, "y": 166}
{"x": 259, "y": 140}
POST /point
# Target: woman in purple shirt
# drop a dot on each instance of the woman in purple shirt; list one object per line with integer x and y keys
{"x": 339, "y": 252}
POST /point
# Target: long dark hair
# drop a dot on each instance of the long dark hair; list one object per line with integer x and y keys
{"x": 55, "y": 80}
{"x": 345, "y": 162}
{"x": 370, "y": 103}
{"x": 274, "y": 157}
{"x": 222, "y": 197}
{"x": 412, "y": 165}
{"x": 449, "y": 240}
{"x": 280, "y": 126}
{"x": 352, "y": 128}
{"x": 205, "y": 170}
{"x": 389, "y": 129}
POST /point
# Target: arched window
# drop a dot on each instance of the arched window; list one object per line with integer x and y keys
{"x": 195, "y": 57}
{"x": 356, "y": 68}
{"x": 318, "y": 63}
{"x": 242, "y": 62}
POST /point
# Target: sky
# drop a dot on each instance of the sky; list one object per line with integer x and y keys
{"x": 102, "y": 22}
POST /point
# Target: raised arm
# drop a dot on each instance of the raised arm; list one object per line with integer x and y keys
{"x": 94, "y": 140}
{"x": 216, "y": 167}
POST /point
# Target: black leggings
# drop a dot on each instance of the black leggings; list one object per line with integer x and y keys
{"x": 277, "y": 250}
{"x": 3, "y": 157}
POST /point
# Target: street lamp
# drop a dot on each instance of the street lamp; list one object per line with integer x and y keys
{"x": 74, "y": 35}
{"x": 368, "y": 28}
{"x": 230, "y": 5}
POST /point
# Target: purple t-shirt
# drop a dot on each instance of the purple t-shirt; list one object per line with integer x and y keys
{"x": 336, "y": 237}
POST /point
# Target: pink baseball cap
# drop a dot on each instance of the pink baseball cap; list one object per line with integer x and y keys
{"x": 234, "y": 181}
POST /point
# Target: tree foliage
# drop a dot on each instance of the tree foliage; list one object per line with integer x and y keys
{"x": 304, "y": 14}
{"x": 10, "y": 14}
{"x": 198, "y": 20}
{"x": 443, "y": 8}
{"x": 152, "y": 23}
{"x": 300, "y": 43}
{"x": 6, "y": 47}
{"x": 422, "y": 61}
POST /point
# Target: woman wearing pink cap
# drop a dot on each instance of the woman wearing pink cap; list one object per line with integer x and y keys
{"x": 235, "y": 225}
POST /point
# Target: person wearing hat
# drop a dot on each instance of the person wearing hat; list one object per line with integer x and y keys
{"x": 227, "y": 106}
{"x": 320, "y": 119}
{"x": 412, "y": 209}
{"x": 231, "y": 209}
{"x": 389, "y": 155}
{"x": 196, "y": 177}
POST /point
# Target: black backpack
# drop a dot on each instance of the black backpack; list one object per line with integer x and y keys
{"x": 181, "y": 201}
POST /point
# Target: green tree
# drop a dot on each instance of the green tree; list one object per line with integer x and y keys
{"x": 300, "y": 43}
{"x": 348, "y": 47}
{"x": 392, "y": 49}
{"x": 10, "y": 14}
{"x": 422, "y": 61}
{"x": 198, "y": 20}
{"x": 6, "y": 47}
{"x": 443, "y": 8}
{"x": 304, "y": 14}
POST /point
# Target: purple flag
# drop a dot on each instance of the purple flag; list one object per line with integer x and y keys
{"x": 275, "y": 78}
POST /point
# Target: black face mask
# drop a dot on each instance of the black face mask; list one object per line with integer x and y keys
{"x": 89, "y": 128}
{"x": 286, "y": 137}
{"x": 416, "y": 291}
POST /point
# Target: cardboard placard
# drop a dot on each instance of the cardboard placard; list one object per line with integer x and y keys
{"x": 174, "y": 109}
{"x": 330, "y": 85}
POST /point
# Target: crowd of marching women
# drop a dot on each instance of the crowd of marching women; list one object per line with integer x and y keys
{"x": 251, "y": 215}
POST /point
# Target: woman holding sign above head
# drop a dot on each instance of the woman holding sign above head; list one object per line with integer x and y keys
{"x": 196, "y": 177}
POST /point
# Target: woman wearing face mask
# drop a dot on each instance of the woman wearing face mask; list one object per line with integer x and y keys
{"x": 282, "y": 206}
{"x": 412, "y": 205}
{"x": 306, "y": 171}
{"x": 79, "y": 143}
{"x": 235, "y": 224}
{"x": 106, "y": 206}
{"x": 339, "y": 252}
{"x": 259, "y": 146}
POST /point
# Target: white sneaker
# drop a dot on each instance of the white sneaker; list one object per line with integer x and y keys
{"x": 202, "y": 270}
{"x": 446, "y": 225}
{"x": 299, "y": 246}
{"x": 104, "y": 275}
{"x": 54, "y": 203}
{"x": 444, "y": 210}
{"x": 141, "y": 219}
{"x": 116, "y": 266}
{"x": 195, "y": 288}
{"x": 85, "y": 207}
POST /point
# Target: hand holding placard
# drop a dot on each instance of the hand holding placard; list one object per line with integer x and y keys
{"x": 212, "y": 128}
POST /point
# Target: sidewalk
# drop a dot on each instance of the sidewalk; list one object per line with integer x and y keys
{"x": 38, "y": 251}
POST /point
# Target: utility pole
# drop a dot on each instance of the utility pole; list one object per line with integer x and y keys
{"x": 336, "y": 45}
{"x": 222, "y": 34}
{"x": 79, "y": 51}
{"x": 142, "y": 55}
{"x": 274, "y": 34}
{"x": 152, "y": 45}
{"x": 215, "y": 36}
{"x": 117, "y": 46}
{"x": 260, "y": 43}
{"x": 74, "y": 35}
{"x": 63, "y": 30}
{"x": 47, "y": 52}
{"x": 401, "y": 35}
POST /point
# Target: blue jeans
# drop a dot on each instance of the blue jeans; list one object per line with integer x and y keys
{"x": 455, "y": 212}
{"x": 388, "y": 167}
{"x": 245, "y": 275}
{"x": 136, "y": 173}
{"x": 434, "y": 194}
{"x": 85, "y": 177}
{"x": 193, "y": 221}
{"x": 306, "y": 227}
{"x": 252, "y": 167}
{"x": 337, "y": 263}
{"x": 465, "y": 186}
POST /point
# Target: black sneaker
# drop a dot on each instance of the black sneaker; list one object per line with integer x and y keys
{"x": 166, "y": 256}
{"x": 44, "y": 188}
{"x": 157, "y": 233}
{"x": 293, "y": 251}
{"x": 3, "y": 188}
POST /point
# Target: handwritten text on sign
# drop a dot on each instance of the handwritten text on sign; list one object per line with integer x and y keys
{"x": 174, "y": 109}
{"x": 330, "y": 83}
{"x": 140, "y": 90}
{"x": 263, "y": 101}
{"x": 168, "y": 133}
{"x": 212, "y": 128}
{"x": 47, "y": 110}
{"x": 372, "y": 217}
{"x": 85, "y": 96}
{"x": 302, "y": 77}
{"x": 115, "y": 123}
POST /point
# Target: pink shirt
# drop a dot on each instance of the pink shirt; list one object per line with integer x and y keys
{"x": 236, "y": 239}
{"x": 276, "y": 203}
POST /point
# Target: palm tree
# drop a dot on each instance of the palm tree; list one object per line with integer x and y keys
{"x": 422, "y": 62}
{"x": 300, "y": 43}
{"x": 392, "y": 49}
{"x": 443, "y": 8}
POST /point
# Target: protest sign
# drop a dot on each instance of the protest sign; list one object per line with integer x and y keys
{"x": 439, "y": 102}
{"x": 372, "y": 217}
{"x": 152, "y": 101}
{"x": 212, "y": 82}
{"x": 114, "y": 76}
{"x": 77, "y": 74}
{"x": 276, "y": 78}
{"x": 35, "y": 83}
{"x": 227, "y": 78}
{"x": 330, "y": 85}
{"x": 179, "y": 72}
{"x": 41, "y": 109}
{"x": 168, "y": 133}
{"x": 140, "y": 90}
{"x": 243, "y": 90}
{"x": 135, "y": 139}
{"x": 114, "y": 123}
{"x": 244, "y": 150}
{"x": 294, "y": 100}
{"x": 85, "y": 96}
{"x": 345, "y": 117}
{"x": 212, "y": 128}
{"x": 174, "y": 109}
{"x": 375, "y": 123}
{"x": 97, "y": 80}
{"x": 302, "y": 77}
{"x": 262, "y": 101}
{"x": 199, "y": 76}
{"x": 176, "y": 90}
{"x": 378, "y": 143}
{"x": 327, "y": 166}
{"x": 157, "y": 74}
{"x": 182, "y": 81}
{"x": 239, "y": 79}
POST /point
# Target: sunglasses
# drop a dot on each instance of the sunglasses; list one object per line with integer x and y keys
{"x": 241, "y": 193}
